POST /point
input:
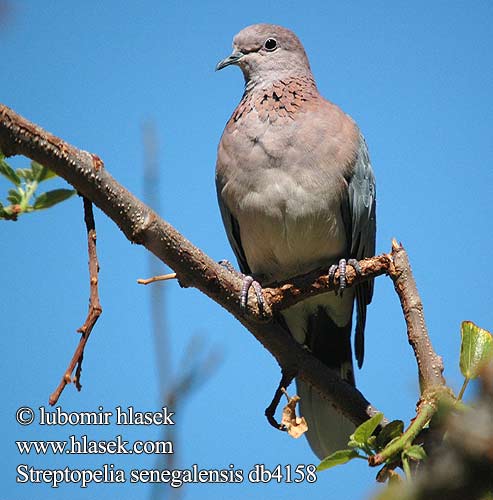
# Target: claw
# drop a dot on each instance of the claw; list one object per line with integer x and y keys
{"x": 227, "y": 265}
{"x": 342, "y": 266}
{"x": 342, "y": 275}
{"x": 355, "y": 265}
{"x": 249, "y": 282}
{"x": 332, "y": 272}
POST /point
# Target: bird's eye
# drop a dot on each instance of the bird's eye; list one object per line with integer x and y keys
{"x": 270, "y": 44}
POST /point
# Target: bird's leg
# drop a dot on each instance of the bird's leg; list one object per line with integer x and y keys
{"x": 342, "y": 272}
{"x": 248, "y": 282}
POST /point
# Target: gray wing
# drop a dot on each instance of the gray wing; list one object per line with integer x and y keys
{"x": 233, "y": 232}
{"x": 361, "y": 226}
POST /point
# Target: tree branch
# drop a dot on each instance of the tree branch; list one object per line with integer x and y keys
{"x": 141, "y": 225}
{"x": 298, "y": 288}
{"x": 430, "y": 365}
{"x": 94, "y": 312}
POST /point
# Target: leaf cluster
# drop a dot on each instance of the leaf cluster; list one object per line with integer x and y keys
{"x": 23, "y": 196}
{"x": 370, "y": 438}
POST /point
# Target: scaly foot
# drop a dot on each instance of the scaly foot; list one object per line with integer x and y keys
{"x": 248, "y": 282}
{"x": 342, "y": 272}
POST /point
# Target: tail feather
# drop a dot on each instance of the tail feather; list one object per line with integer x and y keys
{"x": 330, "y": 343}
{"x": 328, "y": 430}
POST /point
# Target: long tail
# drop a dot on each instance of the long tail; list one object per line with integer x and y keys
{"x": 328, "y": 430}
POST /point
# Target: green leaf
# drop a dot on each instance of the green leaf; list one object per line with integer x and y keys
{"x": 41, "y": 173}
{"x": 415, "y": 452}
{"x": 353, "y": 444}
{"x": 8, "y": 172}
{"x": 337, "y": 458}
{"x": 476, "y": 349}
{"x": 8, "y": 213}
{"x": 366, "y": 429}
{"x": 25, "y": 173}
{"x": 14, "y": 196}
{"x": 390, "y": 431}
{"x": 372, "y": 441}
{"x": 50, "y": 198}
{"x": 36, "y": 169}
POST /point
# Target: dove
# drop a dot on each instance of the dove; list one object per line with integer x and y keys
{"x": 296, "y": 192}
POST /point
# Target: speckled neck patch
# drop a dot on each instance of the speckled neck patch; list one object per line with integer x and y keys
{"x": 282, "y": 99}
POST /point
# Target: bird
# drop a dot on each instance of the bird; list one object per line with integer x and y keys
{"x": 296, "y": 192}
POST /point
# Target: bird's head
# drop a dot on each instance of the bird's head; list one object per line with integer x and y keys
{"x": 266, "y": 52}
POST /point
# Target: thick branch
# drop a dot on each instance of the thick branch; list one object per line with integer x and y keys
{"x": 141, "y": 225}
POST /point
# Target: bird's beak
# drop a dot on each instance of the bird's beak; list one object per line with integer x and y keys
{"x": 232, "y": 59}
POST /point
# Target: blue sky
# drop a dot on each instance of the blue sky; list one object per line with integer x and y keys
{"x": 417, "y": 77}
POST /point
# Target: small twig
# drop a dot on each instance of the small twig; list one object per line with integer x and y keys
{"x": 462, "y": 389}
{"x": 407, "y": 469}
{"x": 95, "y": 309}
{"x": 162, "y": 277}
{"x": 270, "y": 411}
{"x": 430, "y": 366}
